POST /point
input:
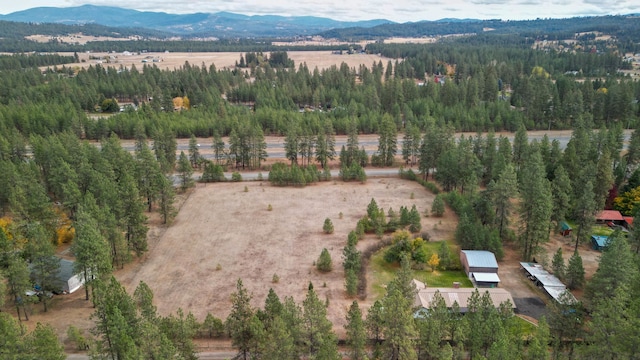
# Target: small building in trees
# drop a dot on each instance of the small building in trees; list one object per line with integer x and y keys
{"x": 425, "y": 297}
{"x": 545, "y": 280}
{"x": 599, "y": 242}
{"x": 481, "y": 267}
{"x": 565, "y": 229}
{"x": 610, "y": 216}
{"x": 66, "y": 281}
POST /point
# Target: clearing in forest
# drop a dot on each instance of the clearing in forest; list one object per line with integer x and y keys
{"x": 224, "y": 233}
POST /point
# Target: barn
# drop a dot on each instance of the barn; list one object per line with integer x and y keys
{"x": 481, "y": 267}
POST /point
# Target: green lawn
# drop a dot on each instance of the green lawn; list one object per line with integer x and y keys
{"x": 601, "y": 230}
{"x": 384, "y": 272}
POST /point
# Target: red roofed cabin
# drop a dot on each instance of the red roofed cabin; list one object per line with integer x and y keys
{"x": 610, "y": 217}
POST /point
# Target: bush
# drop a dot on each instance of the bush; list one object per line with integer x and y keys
{"x": 212, "y": 327}
{"x": 324, "y": 263}
{"x": 212, "y": 173}
{"x": 236, "y": 177}
{"x": 282, "y": 174}
{"x": 328, "y": 226}
{"x": 75, "y": 336}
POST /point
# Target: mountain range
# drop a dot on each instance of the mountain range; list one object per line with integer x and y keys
{"x": 221, "y": 24}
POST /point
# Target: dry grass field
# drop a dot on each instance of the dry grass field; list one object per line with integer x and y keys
{"x": 221, "y": 224}
{"x": 169, "y": 60}
{"x": 223, "y": 233}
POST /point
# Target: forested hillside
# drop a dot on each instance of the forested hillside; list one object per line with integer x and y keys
{"x": 57, "y": 187}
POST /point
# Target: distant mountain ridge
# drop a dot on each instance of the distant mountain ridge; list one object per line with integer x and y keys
{"x": 221, "y": 24}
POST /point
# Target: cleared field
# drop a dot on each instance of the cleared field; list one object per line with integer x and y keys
{"x": 221, "y": 224}
{"x": 222, "y": 60}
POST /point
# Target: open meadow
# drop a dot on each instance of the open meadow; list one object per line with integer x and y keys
{"x": 224, "y": 233}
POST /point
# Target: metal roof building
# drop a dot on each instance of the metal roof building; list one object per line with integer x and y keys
{"x": 481, "y": 267}
{"x": 551, "y": 284}
{"x": 425, "y": 297}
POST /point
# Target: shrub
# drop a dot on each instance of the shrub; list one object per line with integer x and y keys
{"x": 212, "y": 327}
{"x": 328, "y": 226}
{"x": 236, "y": 177}
{"x": 212, "y": 173}
{"x": 75, "y": 336}
{"x": 269, "y": 208}
{"x": 324, "y": 263}
{"x": 275, "y": 279}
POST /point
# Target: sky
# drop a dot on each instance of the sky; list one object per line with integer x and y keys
{"x": 350, "y": 10}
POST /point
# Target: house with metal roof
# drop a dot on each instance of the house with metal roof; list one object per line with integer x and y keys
{"x": 481, "y": 267}
{"x": 425, "y": 297}
{"x": 610, "y": 216}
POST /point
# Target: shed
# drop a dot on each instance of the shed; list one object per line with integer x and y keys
{"x": 565, "y": 229}
{"x": 628, "y": 221}
{"x": 478, "y": 261}
{"x": 599, "y": 242}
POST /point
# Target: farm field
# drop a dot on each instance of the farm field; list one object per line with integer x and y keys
{"x": 320, "y": 59}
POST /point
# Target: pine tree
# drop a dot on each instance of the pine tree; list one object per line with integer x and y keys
{"x": 561, "y": 193}
{"x": 239, "y": 323}
{"x": 319, "y": 340}
{"x": 166, "y": 199}
{"x": 575, "y": 271}
{"x": 218, "y": 148}
{"x": 535, "y": 205}
{"x": 185, "y": 171}
{"x": 603, "y": 180}
{"x": 356, "y": 333}
{"x": 91, "y": 251}
{"x": 584, "y": 213}
{"x": 327, "y": 227}
{"x": 375, "y": 322}
{"x": 444, "y": 254}
{"x": 438, "y": 206}
{"x": 616, "y": 269}
{"x": 194, "y": 152}
{"x": 324, "y": 263}
{"x": 504, "y": 190}
{"x": 557, "y": 264}
{"x": 398, "y": 326}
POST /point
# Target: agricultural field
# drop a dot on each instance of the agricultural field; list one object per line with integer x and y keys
{"x": 170, "y": 60}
